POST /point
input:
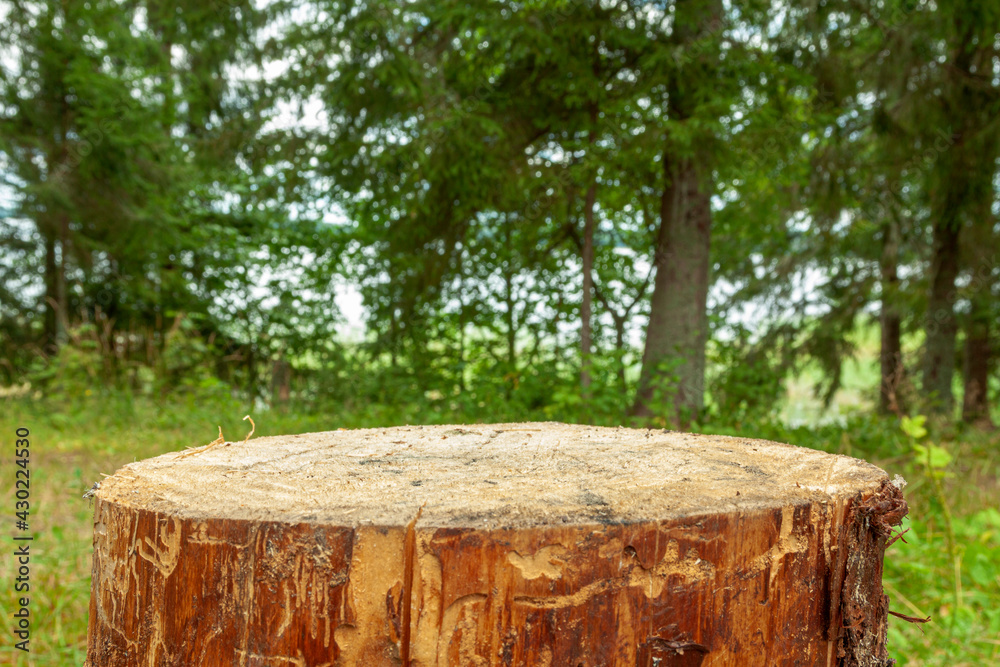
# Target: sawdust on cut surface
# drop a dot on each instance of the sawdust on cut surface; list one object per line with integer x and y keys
{"x": 486, "y": 476}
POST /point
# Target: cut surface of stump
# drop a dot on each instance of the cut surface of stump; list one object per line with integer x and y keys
{"x": 545, "y": 545}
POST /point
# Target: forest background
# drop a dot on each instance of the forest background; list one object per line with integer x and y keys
{"x": 762, "y": 218}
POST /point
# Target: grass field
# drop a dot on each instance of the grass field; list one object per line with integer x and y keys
{"x": 73, "y": 444}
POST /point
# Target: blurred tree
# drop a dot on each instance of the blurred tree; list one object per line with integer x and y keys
{"x": 947, "y": 92}
{"x": 980, "y": 249}
{"x": 519, "y": 190}
{"x": 131, "y": 146}
{"x": 83, "y": 154}
{"x": 695, "y": 90}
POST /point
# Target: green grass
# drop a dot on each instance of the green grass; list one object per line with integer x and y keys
{"x": 73, "y": 443}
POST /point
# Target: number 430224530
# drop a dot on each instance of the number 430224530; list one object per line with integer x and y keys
{"x": 22, "y": 454}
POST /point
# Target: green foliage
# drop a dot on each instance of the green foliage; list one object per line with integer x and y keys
{"x": 747, "y": 384}
{"x": 447, "y": 174}
{"x": 76, "y": 369}
{"x": 184, "y": 187}
{"x": 914, "y": 426}
{"x": 82, "y": 436}
{"x": 937, "y": 458}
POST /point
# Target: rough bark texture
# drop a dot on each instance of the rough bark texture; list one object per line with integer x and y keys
{"x": 512, "y": 544}
{"x": 678, "y": 321}
{"x": 673, "y": 360}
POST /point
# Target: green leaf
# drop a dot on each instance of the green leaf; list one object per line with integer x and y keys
{"x": 938, "y": 456}
{"x": 914, "y": 427}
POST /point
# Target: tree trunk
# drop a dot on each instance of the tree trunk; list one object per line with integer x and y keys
{"x": 556, "y": 345}
{"x": 253, "y": 390}
{"x": 62, "y": 306}
{"x": 587, "y": 256}
{"x": 543, "y": 545}
{"x": 588, "y": 290}
{"x": 511, "y": 321}
{"x": 281, "y": 382}
{"x": 393, "y": 339}
{"x": 620, "y": 351}
{"x": 461, "y": 351}
{"x": 51, "y": 329}
{"x": 672, "y": 383}
{"x": 975, "y": 403}
{"x": 891, "y": 355}
{"x": 510, "y": 317}
{"x": 940, "y": 325}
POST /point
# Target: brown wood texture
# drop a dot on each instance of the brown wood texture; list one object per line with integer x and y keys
{"x": 543, "y": 545}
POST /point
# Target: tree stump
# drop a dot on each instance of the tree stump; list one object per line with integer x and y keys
{"x": 543, "y": 545}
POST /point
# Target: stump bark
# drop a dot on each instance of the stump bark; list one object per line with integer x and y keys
{"x": 545, "y": 545}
